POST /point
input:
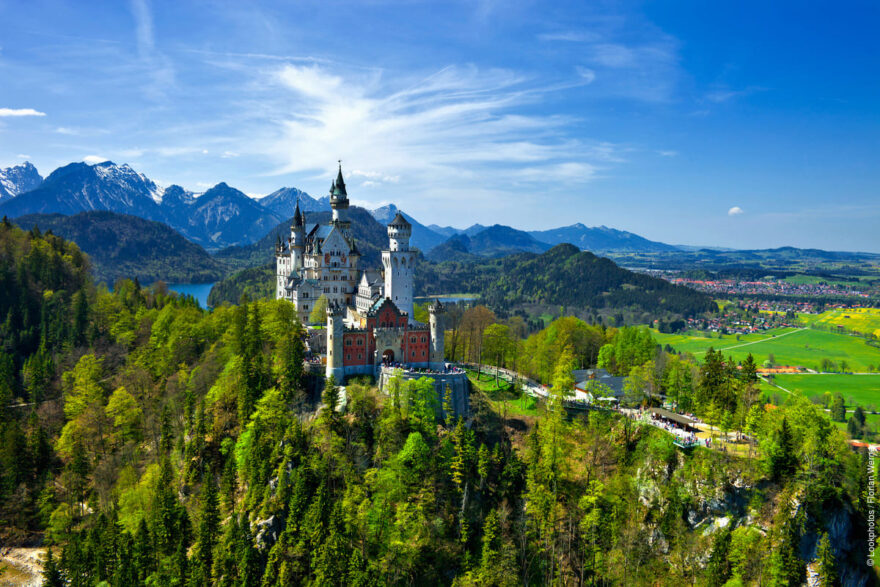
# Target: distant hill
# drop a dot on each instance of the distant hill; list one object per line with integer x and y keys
{"x": 562, "y": 276}
{"x": 456, "y": 248}
{"x": 225, "y": 216}
{"x": 600, "y": 238}
{"x": 494, "y": 241}
{"x": 423, "y": 238}
{"x": 18, "y": 179}
{"x": 755, "y": 263}
{"x": 122, "y": 245}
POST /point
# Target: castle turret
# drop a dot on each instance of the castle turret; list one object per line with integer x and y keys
{"x": 339, "y": 202}
{"x": 436, "y": 356}
{"x": 335, "y": 330}
{"x": 399, "y": 263}
{"x": 297, "y": 238}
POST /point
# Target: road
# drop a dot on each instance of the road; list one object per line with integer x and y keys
{"x": 736, "y": 346}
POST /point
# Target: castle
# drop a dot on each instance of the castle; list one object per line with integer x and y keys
{"x": 369, "y": 312}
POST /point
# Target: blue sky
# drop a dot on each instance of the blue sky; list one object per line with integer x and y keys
{"x": 748, "y": 125}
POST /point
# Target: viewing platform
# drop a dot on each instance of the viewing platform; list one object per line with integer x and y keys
{"x": 453, "y": 377}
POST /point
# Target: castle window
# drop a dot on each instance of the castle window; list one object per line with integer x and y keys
{"x": 424, "y": 339}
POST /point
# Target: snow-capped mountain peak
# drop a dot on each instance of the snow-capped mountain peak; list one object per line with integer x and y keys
{"x": 19, "y": 179}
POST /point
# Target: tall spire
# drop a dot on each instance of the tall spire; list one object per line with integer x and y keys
{"x": 297, "y": 215}
{"x": 340, "y": 183}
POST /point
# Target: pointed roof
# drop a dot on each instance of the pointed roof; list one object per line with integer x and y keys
{"x": 297, "y": 215}
{"x": 340, "y": 183}
{"x": 399, "y": 220}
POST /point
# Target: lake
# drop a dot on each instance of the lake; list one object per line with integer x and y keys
{"x": 199, "y": 291}
{"x": 445, "y": 299}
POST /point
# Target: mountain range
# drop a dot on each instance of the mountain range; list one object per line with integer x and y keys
{"x": 224, "y": 216}
{"x": 18, "y": 179}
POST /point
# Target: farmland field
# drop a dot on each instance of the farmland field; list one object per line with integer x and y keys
{"x": 805, "y": 348}
{"x": 865, "y": 320}
{"x": 863, "y": 390}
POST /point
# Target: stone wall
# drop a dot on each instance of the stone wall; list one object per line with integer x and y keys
{"x": 457, "y": 382}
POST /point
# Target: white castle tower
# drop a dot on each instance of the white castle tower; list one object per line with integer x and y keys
{"x": 436, "y": 358}
{"x": 399, "y": 263}
{"x": 339, "y": 203}
{"x": 335, "y": 335}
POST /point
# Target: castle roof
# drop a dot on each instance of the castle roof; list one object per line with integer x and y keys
{"x": 400, "y": 221}
{"x": 298, "y": 218}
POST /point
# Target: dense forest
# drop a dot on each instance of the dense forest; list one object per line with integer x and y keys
{"x": 147, "y": 441}
{"x": 121, "y": 245}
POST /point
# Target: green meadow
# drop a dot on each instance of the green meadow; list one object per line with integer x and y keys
{"x": 862, "y": 390}
{"x": 804, "y": 348}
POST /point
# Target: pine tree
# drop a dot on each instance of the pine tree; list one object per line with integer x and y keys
{"x": 782, "y": 455}
{"x": 827, "y": 564}
{"x": 51, "y": 574}
{"x": 80, "y": 317}
{"x": 718, "y": 569}
{"x": 206, "y": 535}
{"x": 291, "y": 369}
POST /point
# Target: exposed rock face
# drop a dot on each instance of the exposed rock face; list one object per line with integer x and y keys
{"x": 266, "y": 532}
{"x": 18, "y": 179}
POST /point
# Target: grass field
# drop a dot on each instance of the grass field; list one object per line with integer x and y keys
{"x": 865, "y": 320}
{"x": 503, "y": 396}
{"x": 805, "y": 348}
{"x": 862, "y": 390}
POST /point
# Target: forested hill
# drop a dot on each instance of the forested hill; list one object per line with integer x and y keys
{"x": 146, "y": 441}
{"x": 564, "y": 275}
{"x": 124, "y": 246}
{"x": 369, "y": 235}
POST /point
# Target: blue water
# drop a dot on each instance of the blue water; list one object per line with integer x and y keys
{"x": 443, "y": 300}
{"x": 199, "y": 291}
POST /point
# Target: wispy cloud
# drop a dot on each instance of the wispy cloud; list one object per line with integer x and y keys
{"x": 93, "y": 159}
{"x": 719, "y": 95}
{"x": 453, "y": 129}
{"x": 159, "y": 70}
{"x": 12, "y": 112}
{"x": 570, "y": 36}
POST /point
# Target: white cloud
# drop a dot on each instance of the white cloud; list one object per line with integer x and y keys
{"x": 159, "y": 69}
{"x": 569, "y": 36}
{"x": 721, "y": 95}
{"x": 445, "y": 133}
{"x": 63, "y": 130}
{"x": 667, "y": 153}
{"x": 20, "y": 112}
{"x": 735, "y": 211}
{"x": 587, "y": 74}
{"x": 22, "y": 156}
{"x": 228, "y": 155}
{"x": 93, "y": 159}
